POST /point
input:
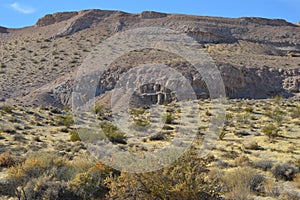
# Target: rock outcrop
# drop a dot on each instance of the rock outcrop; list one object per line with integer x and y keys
{"x": 55, "y": 18}
{"x": 152, "y": 15}
{"x": 3, "y": 29}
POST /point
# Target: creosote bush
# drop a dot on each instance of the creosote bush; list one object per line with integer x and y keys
{"x": 66, "y": 120}
{"x": 113, "y": 133}
{"x": 270, "y": 130}
{"x": 48, "y": 176}
{"x": 74, "y": 136}
{"x": 184, "y": 179}
{"x": 168, "y": 118}
{"x": 7, "y": 108}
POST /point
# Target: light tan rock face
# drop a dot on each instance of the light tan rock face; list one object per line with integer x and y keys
{"x": 257, "y": 58}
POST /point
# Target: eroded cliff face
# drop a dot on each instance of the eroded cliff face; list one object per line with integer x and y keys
{"x": 260, "y": 82}
{"x": 257, "y": 58}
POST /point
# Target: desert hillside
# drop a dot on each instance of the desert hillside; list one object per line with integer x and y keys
{"x": 257, "y": 58}
{"x": 224, "y": 128}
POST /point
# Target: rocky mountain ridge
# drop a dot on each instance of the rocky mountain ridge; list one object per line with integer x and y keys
{"x": 257, "y": 58}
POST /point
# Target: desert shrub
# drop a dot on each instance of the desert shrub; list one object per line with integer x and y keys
{"x": 290, "y": 195}
{"x": 90, "y": 183}
{"x": 6, "y": 160}
{"x": 113, "y": 133}
{"x": 66, "y": 120}
{"x": 284, "y": 172}
{"x": 47, "y": 188}
{"x": 297, "y": 180}
{"x": 270, "y": 130}
{"x": 35, "y": 166}
{"x": 276, "y": 115}
{"x": 74, "y": 136}
{"x": 168, "y": 118}
{"x": 184, "y": 179}
{"x": 295, "y": 112}
{"x": 229, "y": 116}
{"x": 98, "y": 108}
{"x": 137, "y": 111}
{"x": 240, "y": 182}
{"x": 278, "y": 97}
{"x": 48, "y": 176}
{"x": 223, "y": 133}
{"x": 242, "y": 161}
{"x": 243, "y": 118}
{"x": 263, "y": 165}
{"x": 249, "y": 109}
{"x": 272, "y": 188}
{"x": 7, "y": 108}
{"x": 141, "y": 123}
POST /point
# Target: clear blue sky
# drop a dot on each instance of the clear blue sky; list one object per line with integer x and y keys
{"x": 20, "y": 13}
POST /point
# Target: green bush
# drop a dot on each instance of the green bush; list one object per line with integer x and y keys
{"x": 66, "y": 120}
{"x": 223, "y": 133}
{"x": 249, "y": 109}
{"x": 7, "y": 108}
{"x": 137, "y": 112}
{"x": 168, "y": 118}
{"x": 48, "y": 176}
{"x": 113, "y": 133}
{"x": 184, "y": 179}
{"x": 276, "y": 115}
{"x": 271, "y": 131}
{"x": 74, "y": 136}
{"x": 278, "y": 98}
{"x": 98, "y": 109}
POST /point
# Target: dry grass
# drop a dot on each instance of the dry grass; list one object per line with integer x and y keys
{"x": 6, "y": 159}
{"x": 241, "y": 182}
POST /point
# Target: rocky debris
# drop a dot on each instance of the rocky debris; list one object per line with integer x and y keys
{"x": 251, "y": 145}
